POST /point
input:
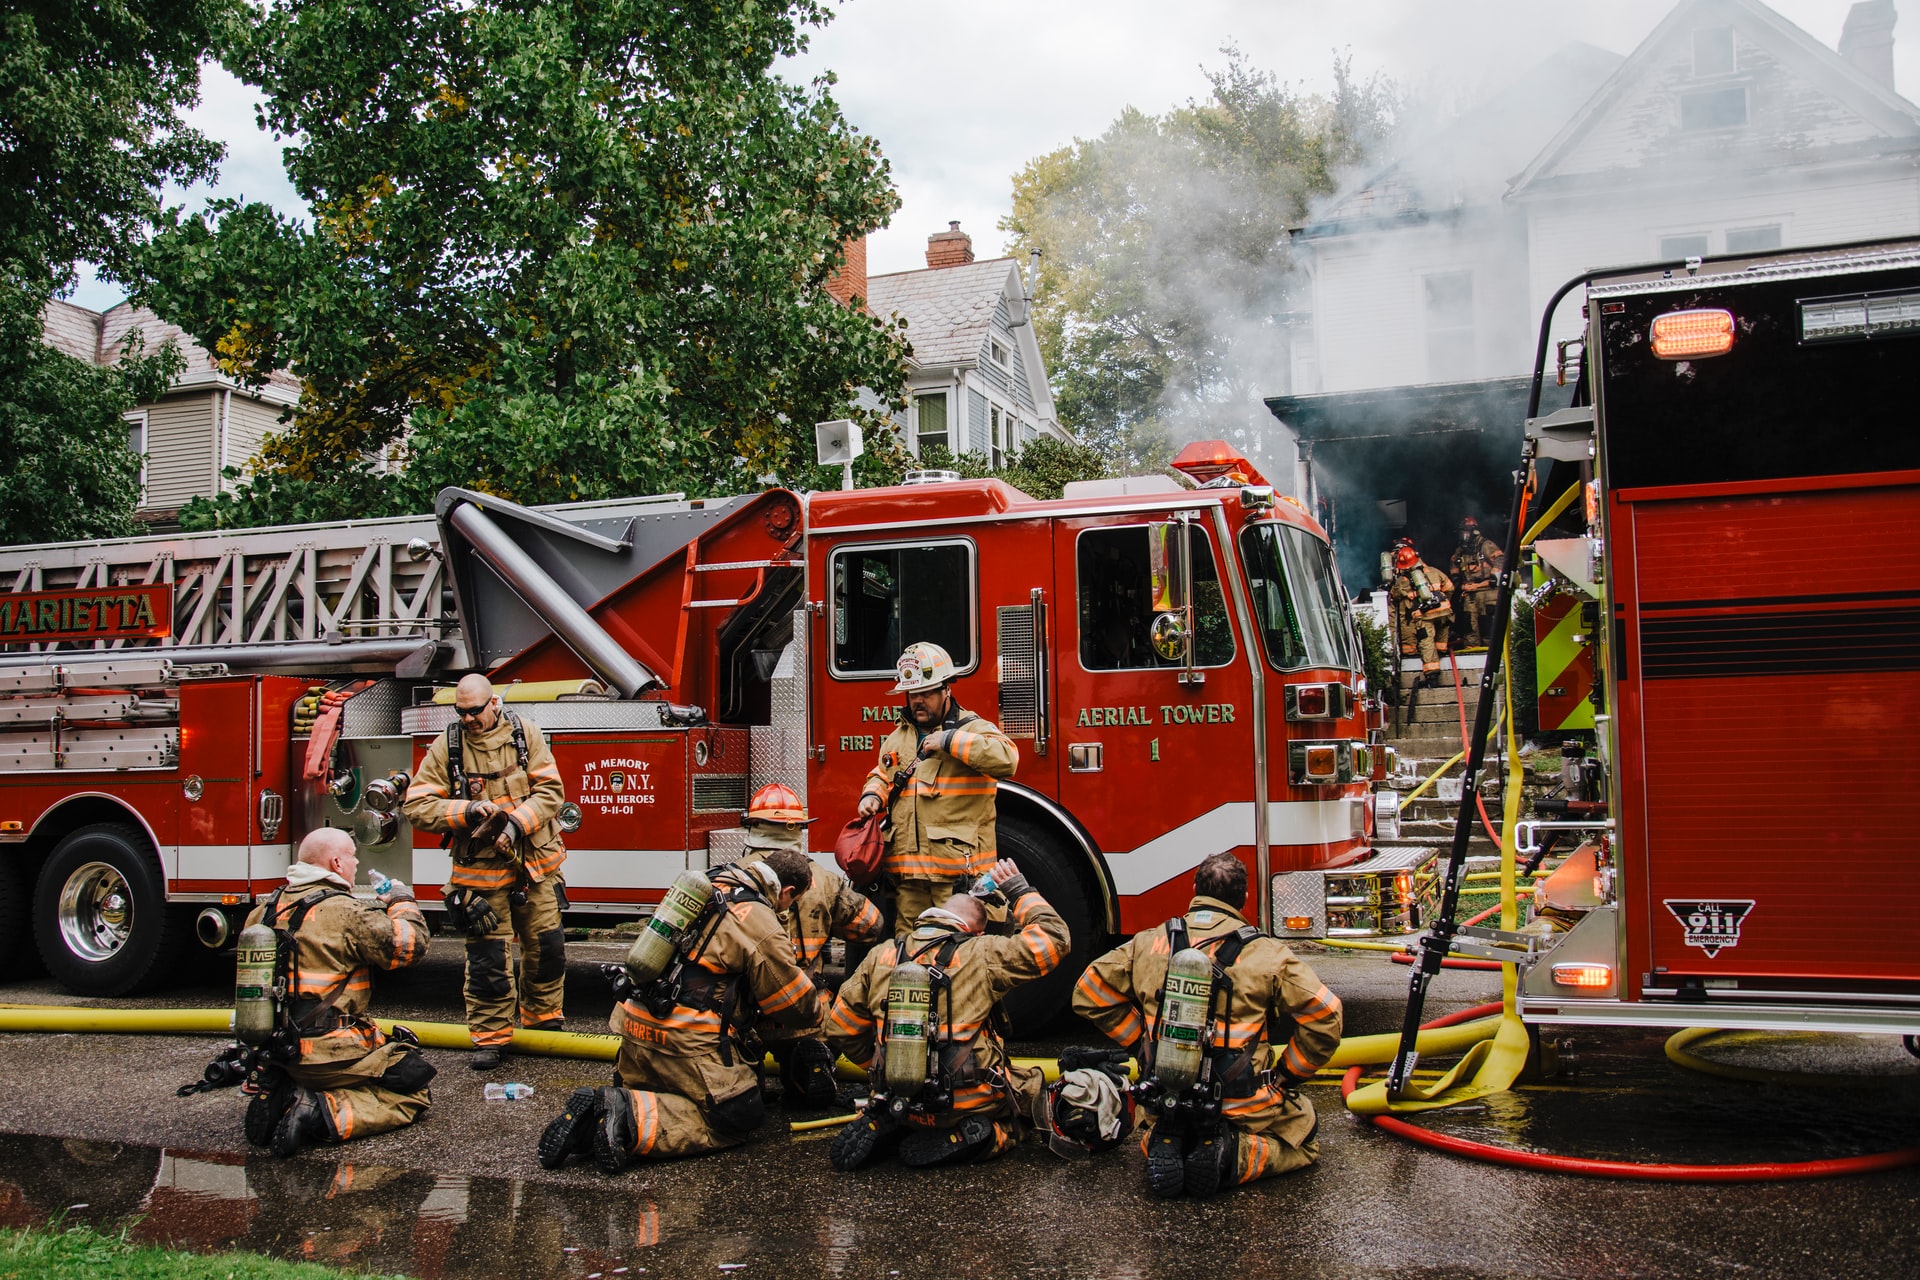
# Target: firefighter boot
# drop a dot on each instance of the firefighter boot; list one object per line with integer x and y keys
{"x": 970, "y": 1138}
{"x": 806, "y": 1075}
{"x": 265, "y": 1109}
{"x": 1212, "y": 1162}
{"x": 861, "y": 1141}
{"x": 615, "y": 1136}
{"x": 305, "y": 1123}
{"x": 571, "y": 1132}
{"x": 1166, "y": 1145}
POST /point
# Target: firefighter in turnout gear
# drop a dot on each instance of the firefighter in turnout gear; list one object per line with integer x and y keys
{"x": 830, "y": 907}
{"x": 332, "y": 1074}
{"x": 1476, "y": 566}
{"x": 1245, "y": 1118}
{"x": 1422, "y": 610}
{"x": 921, "y": 1014}
{"x": 490, "y": 787}
{"x": 939, "y": 768}
{"x": 688, "y": 1072}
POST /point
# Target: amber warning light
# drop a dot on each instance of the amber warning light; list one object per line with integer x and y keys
{"x": 1689, "y": 335}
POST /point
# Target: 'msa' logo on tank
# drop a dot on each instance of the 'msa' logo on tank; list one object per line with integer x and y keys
{"x": 1711, "y": 925}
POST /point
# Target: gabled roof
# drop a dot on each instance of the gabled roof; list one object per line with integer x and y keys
{"x": 100, "y": 337}
{"x": 1841, "y": 112}
{"x": 948, "y": 310}
{"x": 1471, "y": 159}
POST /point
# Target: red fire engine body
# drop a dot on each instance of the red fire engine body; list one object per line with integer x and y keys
{"x": 1177, "y": 667}
{"x": 1753, "y": 490}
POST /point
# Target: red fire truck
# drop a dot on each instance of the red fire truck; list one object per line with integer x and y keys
{"x": 1176, "y": 663}
{"x": 1751, "y": 576}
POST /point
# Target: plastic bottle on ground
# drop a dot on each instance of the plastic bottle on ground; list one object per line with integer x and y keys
{"x": 510, "y": 1092}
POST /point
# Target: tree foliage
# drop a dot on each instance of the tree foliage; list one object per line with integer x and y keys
{"x": 89, "y": 133}
{"x": 558, "y": 252}
{"x": 1165, "y": 257}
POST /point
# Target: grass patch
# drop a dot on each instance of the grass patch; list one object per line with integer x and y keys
{"x": 81, "y": 1253}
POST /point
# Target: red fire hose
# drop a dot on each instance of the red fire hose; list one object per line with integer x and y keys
{"x": 1627, "y": 1169}
{"x": 1401, "y": 957}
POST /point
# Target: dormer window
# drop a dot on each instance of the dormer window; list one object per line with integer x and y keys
{"x": 1713, "y": 51}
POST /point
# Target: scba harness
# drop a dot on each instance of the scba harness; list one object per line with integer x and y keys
{"x": 949, "y": 1067}
{"x": 468, "y": 910}
{"x": 1225, "y": 1072}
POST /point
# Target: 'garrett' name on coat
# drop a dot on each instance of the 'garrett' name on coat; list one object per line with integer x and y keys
{"x": 1198, "y": 713}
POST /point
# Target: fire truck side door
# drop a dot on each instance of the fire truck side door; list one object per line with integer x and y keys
{"x": 1157, "y": 767}
{"x": 219, "y": 723}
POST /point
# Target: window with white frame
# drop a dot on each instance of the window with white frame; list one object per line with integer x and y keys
{"x": 1449, "y": 322}
{"x": 1689, "y": 244}
{"x": 1713, "y": 51}
{"x": 137, "y": 442}
{"x": 930, "y": 415}
{"x": 998, "y": 352}
{"x": 997, "y": 435}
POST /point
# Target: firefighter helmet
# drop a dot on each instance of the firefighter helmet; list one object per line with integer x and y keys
{"x": 776, "y": 803}
{"x": 1469, "y": 525}
{"x": 1405, "y": 558}
{"x": 923, "y": 666}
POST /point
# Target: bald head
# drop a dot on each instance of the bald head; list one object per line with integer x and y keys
{"x": 474, "y": 702}
{"x": 326, "y": 843}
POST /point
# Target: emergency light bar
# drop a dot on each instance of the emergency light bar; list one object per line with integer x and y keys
{"x": 1868, "y": 315}
{"x": 1583, "y": 975}
{"x": 1690, "y": 335}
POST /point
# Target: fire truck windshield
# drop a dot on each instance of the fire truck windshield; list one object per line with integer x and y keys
{"x": 1298, "y": 605}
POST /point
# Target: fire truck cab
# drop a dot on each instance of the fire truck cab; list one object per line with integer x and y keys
{"x": 1176, "y": 664}
{"x": 1748, "y": 555}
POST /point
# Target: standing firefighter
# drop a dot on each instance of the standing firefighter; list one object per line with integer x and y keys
{"x": 1196, "y": 1000}
{"x": 334, "y": 1076}
{"x": 920, "y": 1013}
{"x": 1476, "y": 567}
{"x": 1422, "y": 610}
{"x": 829, "y": 907}
{"x": 490, "y": 787}
{"x": 939, "y": 766}
{"x": 711, "y": 964}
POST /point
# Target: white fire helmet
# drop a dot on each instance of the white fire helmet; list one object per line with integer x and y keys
{"x": 923, "y": 666}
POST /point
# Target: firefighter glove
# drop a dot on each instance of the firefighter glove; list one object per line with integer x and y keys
{"x": 482, "y": 919}
{"x": 1013, "y": 886}
{"x": 397, "y": 891}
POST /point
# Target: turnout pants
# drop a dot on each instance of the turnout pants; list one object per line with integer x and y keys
{"x": 1476, "y": 609}
{"x": 361, "y": 1096}
{"x": 542, "y": 978}
{"x": 915, "y": 896}
{"x": 678, "y": 1098}
{"x": 1270, "y": 1140}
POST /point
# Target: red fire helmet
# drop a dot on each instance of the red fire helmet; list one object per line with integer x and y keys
{"x": 776, "y": 802}
{"x": 1405, "y": 558}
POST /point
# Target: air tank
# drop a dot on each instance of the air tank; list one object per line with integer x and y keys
{"x": 254, "y": 955}
{"x": 909, "y": 1006}
{"x": 653, "y": 949}
{"x": 1185, "y": 1007}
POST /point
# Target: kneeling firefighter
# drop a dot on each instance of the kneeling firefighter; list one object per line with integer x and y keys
{"x": 710, "y": 964}
{"x": 321, "y": 1070}
{"x": 829, "y": 908}
{"x": 1194, "y": 1001}
{"x": 921, "y": 1013}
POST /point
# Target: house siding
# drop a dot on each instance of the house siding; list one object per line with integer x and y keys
{"x": 180, "y": 443}
{"x": 248, "y": 423}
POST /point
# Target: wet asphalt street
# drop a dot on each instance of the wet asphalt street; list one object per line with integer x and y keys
{"x": 92, "y": 1121}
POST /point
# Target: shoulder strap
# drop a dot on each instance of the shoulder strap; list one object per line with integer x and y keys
{"x": 298, "y": 916}
{"x": 1234, "y": 944}
{"x": 1176, "y": 936}
{"x": 456, "y": 761}
{"x": 520, "y": 753}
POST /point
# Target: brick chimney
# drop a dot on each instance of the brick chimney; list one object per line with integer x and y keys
{"x": 1867, "y": 39}
{"x": 850, "y": 281}
{"x": 954, "y": 247}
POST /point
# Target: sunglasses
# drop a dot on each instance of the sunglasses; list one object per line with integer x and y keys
{"x": 471, "y": 713}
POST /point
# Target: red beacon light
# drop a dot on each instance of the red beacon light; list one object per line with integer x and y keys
{"x": 1208, "y": 461}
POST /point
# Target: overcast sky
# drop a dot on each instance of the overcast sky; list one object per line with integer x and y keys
{"x": 962, "y": 95}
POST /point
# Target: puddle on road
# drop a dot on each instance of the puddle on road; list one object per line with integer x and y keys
{"x": 1627, "y": 1102}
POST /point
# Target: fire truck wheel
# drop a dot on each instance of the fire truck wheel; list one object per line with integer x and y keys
{"x": 1037, "y": 1004}
{"x": 100, "y": 913}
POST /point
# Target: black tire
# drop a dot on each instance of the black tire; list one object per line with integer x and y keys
{"x": 1036, "y": 1005}
{"x": 100, "y": 913}
{"x": 16, "y": 941}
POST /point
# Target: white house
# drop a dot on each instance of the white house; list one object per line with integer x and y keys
{"x": 976, "y": 381}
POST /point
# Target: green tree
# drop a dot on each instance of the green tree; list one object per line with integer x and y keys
{"x": 559, "y": 252}
{"x": 1165, "y": 258}
{"x": 89, "y": 133}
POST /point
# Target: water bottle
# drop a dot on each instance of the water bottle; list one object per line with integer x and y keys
{"x": 380, "y": 881}
{"x": 511, "y": 1092}
{"x": 985, "y": 886}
